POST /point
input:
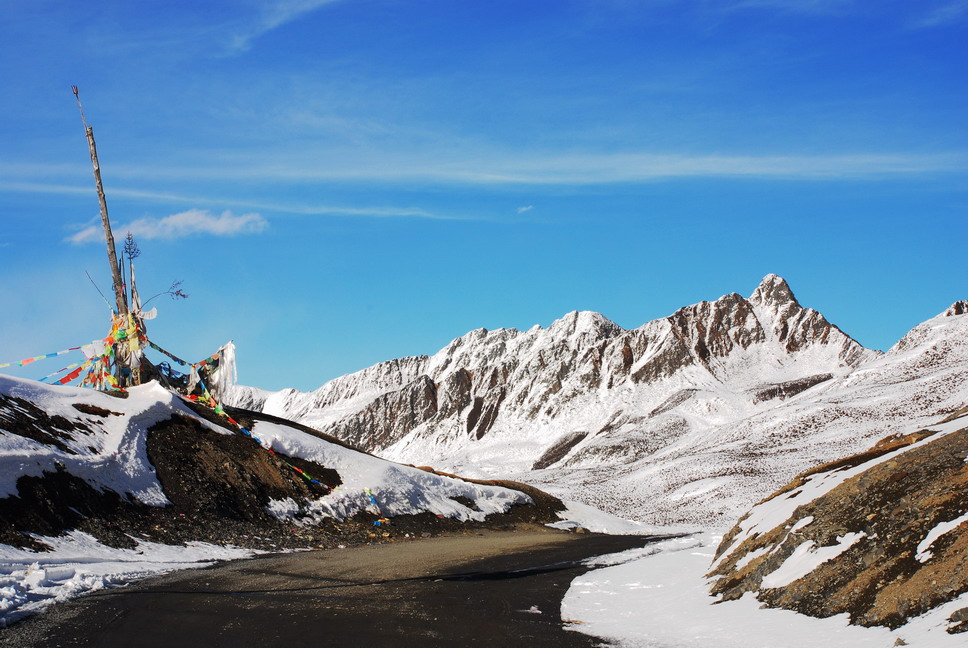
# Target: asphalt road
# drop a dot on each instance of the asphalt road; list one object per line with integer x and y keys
{"x": 486, "y": 589}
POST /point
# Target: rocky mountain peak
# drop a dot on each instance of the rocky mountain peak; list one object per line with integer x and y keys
{"x": 957, "y": 308}
{"x": 577, "y": 323}
{"x": 773, "y": 291}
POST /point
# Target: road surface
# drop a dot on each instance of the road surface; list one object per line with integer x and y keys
{"x": 489, "y": 588}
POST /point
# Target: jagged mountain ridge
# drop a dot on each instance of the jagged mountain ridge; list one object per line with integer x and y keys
{"x": 671, "y": 420}
{"x": 537, "y": 371}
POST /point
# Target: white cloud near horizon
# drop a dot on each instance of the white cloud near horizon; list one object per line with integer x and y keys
{"x": 272, "y": 16}
{"x": 522, "y": 210}
{"x": 180, "y": 225}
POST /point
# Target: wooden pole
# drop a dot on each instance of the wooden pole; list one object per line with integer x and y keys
{"x": 119, "y": 294}
{"x": 122, "y": 359}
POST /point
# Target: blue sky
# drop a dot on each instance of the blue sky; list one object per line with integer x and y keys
{"x": 340, "y": 183}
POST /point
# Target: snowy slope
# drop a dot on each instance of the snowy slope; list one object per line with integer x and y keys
{"x": 688, "y": 419}
{"x": 881, "y": 536}
{"x": 108, "y": 450}
{"x": 658, "y": 596}
{"x": 868, "y": 550}
{"x": 92, "y": 484}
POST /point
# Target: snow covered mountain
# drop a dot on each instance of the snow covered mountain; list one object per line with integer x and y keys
{"x": 689, "y": 418}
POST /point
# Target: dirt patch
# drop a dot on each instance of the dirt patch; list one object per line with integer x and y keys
{"x": 789, "y": 388}
{"x": 87, "y": 408}
{"x": 227, "y": 475}
{"x": 557, "y": 452}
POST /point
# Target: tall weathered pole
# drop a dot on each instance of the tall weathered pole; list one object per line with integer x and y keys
{"x": 119, "y": 294}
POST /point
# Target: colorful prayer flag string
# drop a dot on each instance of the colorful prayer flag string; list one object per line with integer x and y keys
{"x": 208, "y": 400}
{"x": 27, "y": 361}
{"x": 99, "y": 376}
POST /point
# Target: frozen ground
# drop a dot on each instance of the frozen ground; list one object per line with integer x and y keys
{"x": 30, "y": 581}
{"x": 658, "y": 597}
{"x": 103, "y": 440}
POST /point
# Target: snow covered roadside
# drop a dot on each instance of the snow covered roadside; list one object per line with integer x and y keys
{"x": 657, "y": 597}
{"x": 77, "y": 564}
{"x": 588, "y": 517}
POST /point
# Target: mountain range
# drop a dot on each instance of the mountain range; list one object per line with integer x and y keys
{"x": 690, "y": 418}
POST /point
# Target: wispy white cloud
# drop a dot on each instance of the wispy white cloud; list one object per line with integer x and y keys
{"x": 945, "y": 14}
{"x": 271, "y": 16}
{"x": 497, "y": 167}
{"x": 176, "y": 226}
{"x": 632, "y": 167}
{"x": 492, "y": 167}
{"x": 528, "y": 208}
{"x": 792, "y": 6}
{"x": 514, "y": 167}
{"x": 284, "y": 208}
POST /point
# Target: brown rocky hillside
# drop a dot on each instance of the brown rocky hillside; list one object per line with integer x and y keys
{"x": 881, "y": 536}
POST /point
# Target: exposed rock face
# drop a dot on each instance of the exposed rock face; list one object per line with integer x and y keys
{"x": 697, "y": 414}
{"x": 881, "y": 536}
{"x": 958, "y": 308}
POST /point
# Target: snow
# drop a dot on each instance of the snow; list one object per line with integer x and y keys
{"x": 581, "y": 515}
{"x": 397, "y": 489}
{"x": 807, "y": 557}
{"x": 114, "y": 457}
{"x": 77, "y": 564}
{"x": 686, "y": 468}
{"x": 924, "y": 547}
{"x": 111, "y": 454}
{"x": 658, "y": 597}
{"x": 647, "y": 453}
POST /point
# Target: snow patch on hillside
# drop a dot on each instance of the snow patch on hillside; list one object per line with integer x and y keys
{"x": 660, "y": 597}
{"x": 395, "y": 489}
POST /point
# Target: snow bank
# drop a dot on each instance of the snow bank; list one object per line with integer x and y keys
{"x": 77, "y": 564}
{"x": 112, "y": 456}
{"x": 581, "y": 515}
{"x": 378, "y": 486}
{"x": 657, "y": 597}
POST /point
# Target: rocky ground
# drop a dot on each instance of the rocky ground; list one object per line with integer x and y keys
{"x": 886, "y": 540}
